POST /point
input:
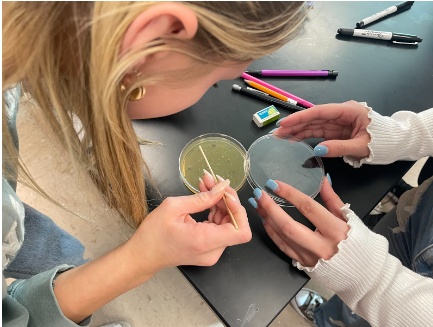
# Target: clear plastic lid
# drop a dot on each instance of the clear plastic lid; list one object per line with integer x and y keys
{"x": 291, "y": 161}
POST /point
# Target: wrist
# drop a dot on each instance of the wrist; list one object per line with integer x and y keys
{"x": 84, "y": 289}
{"x": 366, "y": 154}
{"x": 141, "y": 260}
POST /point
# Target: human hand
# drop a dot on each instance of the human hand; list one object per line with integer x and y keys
{"x": 169, "y": 236}
{"x": 293, "y": 238}
{"x": 218, "y": 213}
{"x": 342, "y": 125}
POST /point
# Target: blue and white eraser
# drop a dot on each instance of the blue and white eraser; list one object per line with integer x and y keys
{"x": 266, "y": 116}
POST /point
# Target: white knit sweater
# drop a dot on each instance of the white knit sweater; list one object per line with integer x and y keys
{"x": 373, "y": 283}
{"x": 403, "y": 136}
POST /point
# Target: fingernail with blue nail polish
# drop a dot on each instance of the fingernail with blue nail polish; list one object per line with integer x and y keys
{"x": 272, "y": 185}
{"x": 273, "y": 130}
{"x": 320, "y": 150}
{"x": 257, "y": 193}
{"x": 262, "y": 220}
{"x": 253, "y": 202}
{"x": 278, "y": 122}
{"x": 329, "y": 179}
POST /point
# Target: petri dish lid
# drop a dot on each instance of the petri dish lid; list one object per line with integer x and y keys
{"x": 291, "y": 161}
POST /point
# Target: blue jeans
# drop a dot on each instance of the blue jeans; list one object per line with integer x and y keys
{"x": 45, "y": 246}
{"x": 412, "y": 244}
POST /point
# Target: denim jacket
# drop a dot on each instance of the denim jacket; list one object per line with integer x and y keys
{"x": 415, "y": 216}
{"x": 28, "y": 302}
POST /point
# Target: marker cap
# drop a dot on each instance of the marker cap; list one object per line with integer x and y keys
{"x": 345, "y": 31}
{"x": 404, "y": 6}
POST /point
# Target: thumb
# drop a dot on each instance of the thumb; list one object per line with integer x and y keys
{"x": 200, "y": 201}
{"x": 357, "y": 147}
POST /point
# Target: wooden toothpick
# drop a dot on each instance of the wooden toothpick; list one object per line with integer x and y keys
{"x": 216, "y": 182}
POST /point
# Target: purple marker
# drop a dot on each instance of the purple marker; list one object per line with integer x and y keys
{"x": 323, "y": 73}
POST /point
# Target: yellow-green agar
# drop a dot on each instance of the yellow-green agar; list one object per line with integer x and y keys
{"x": 225, "y": 157}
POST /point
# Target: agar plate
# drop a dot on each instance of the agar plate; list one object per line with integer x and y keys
{"x": 226, "y": 156}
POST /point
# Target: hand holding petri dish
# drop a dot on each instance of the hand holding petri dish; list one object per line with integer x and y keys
{"x": 290, "y": 161}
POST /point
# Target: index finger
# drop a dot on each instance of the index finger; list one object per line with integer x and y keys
{"x": 208, "y": 183}
{"x": 320, "y": 112}
{"x": 325, "y": 222}
{"x": 280, "y": 221}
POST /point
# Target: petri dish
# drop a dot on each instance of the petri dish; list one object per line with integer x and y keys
{"x": 225, "y": 155}
{"x": 288, "y": 160}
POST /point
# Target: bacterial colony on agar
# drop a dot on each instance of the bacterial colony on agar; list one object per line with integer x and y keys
{"x": 226, "y": 159}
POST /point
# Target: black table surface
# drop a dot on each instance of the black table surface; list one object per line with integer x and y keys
{"x": 252, "y": 283}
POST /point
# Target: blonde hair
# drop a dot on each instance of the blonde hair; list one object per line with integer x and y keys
{"x": 38, "y": 38}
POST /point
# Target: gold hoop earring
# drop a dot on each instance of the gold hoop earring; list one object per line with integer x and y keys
{"x": 138, "y": 93}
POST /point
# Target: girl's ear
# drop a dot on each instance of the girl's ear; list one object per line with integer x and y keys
{"x": 165, "y": 19}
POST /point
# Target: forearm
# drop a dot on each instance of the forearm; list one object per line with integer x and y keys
{"x": 83, "y": 290}
{"x": 403, "y": 136}
{"x": 374, "y": 284}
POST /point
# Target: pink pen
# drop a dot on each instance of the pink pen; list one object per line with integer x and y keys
{"x": 300, "y": 101}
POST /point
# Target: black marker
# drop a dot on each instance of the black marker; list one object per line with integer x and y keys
{"x": 265, "y": 98}
{"x": 387, "y": 36}
{"x": 396, "y": 8}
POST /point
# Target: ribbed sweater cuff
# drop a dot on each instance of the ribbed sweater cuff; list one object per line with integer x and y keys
{"x": 345, "y": 271}
{"x": 355, "y": 162}
{"x": 404, "y": 136}
{"x": 373, "y": 283}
